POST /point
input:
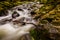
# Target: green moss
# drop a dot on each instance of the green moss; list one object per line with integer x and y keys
{"x": 50, "y": 12}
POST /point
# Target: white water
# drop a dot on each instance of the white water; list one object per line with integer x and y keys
{"x": 13, "y": 32}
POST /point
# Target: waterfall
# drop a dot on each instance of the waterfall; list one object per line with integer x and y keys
{"x": 15, "y": 23}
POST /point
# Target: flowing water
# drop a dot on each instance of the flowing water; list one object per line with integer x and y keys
{"x": 14, "y": 24}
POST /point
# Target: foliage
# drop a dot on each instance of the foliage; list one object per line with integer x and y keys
{"x": 49, "y": 13}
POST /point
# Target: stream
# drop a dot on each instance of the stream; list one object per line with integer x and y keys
{"x": 14, "y": 25}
